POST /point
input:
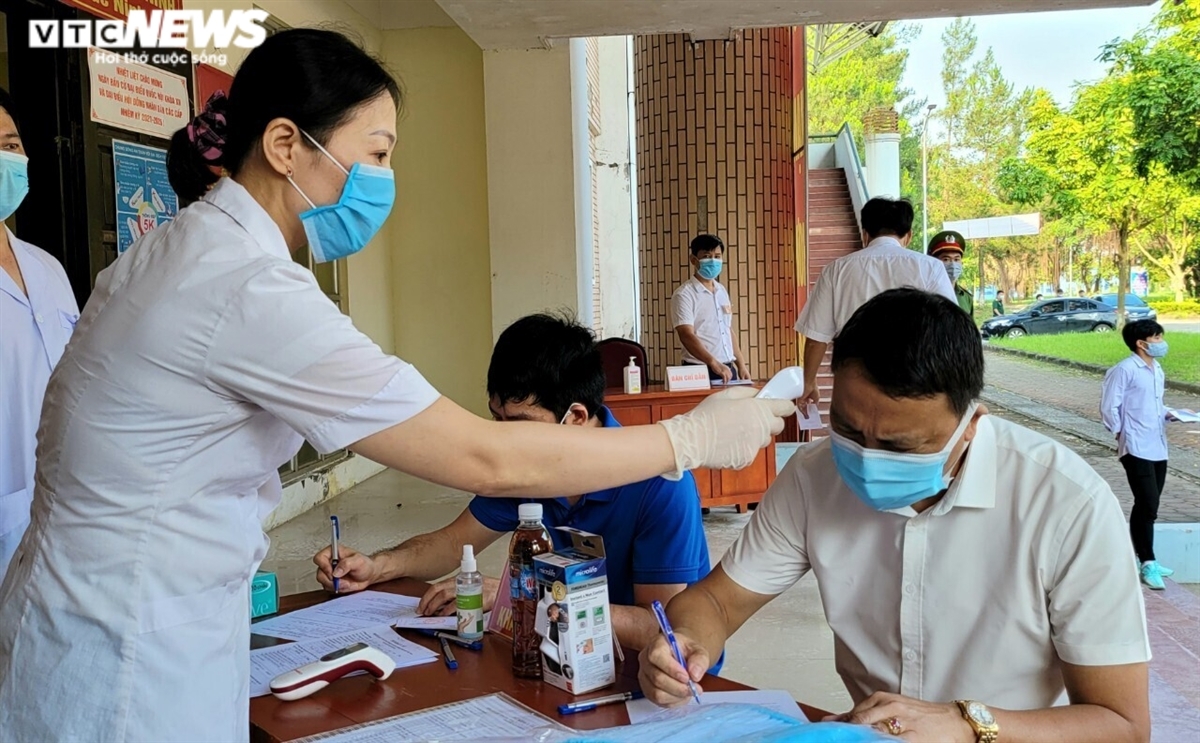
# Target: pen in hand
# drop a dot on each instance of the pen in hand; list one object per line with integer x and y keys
{"x": 669, "y": 633}
{"x": 333, "y": 549}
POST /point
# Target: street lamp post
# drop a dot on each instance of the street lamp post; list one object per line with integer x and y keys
{"x": 925, "y": 173}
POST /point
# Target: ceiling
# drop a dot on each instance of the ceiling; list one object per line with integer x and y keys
{"x": 530, "y": 24}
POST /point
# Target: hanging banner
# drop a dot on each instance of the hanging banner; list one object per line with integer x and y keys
{"x": 118, "y": 10}
{"x": 209, "y": 80}
{"x": 145, "y": 199}
{"x": 137, "y": 97}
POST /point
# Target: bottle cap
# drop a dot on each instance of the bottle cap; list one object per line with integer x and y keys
{"x": 468, "y": 559}
{"x": 529, "y": 512}
{"x": 633, "y": 360}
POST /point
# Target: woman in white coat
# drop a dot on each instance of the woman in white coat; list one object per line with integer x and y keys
{"x": 203, "y": 357}
{"x": 37, "y": 314}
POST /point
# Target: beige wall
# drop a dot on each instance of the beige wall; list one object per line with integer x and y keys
{"x": 438, "y": 232}
{"x": 531, "y": 182}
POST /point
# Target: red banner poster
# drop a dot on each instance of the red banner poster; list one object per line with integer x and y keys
{"x": 209, "y": 80}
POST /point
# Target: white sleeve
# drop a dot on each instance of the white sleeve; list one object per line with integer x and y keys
{"x": 770, "y": 555}
{"x": 1112, "y": 394}
{"x": 939, "y": 281}
{"x": 817, "y": 319}
{"x": 284, "y": 346}
{"x": 1089, "y": 625}
{"x": 683, "y": 307}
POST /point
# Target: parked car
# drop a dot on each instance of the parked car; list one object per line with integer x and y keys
{"x": 1060, "y": 315}
{"x": 1135, "y": 307}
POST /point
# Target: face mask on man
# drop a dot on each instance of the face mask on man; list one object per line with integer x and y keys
{"x": 346, "y": 226}
{"x": 709, "y": 269}
{"x": 1157, "y": 349}
{"x": 954, "y": 269}
{"x": 886, "y": 480}
{"x": 14, "y": 182}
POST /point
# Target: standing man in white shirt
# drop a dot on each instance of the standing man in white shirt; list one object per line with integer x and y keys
{"x": 848, "y": 282}
{"x": 1131, "y": 406}
{"x": 957, "y": 554}
{"x": 703, "y": 315}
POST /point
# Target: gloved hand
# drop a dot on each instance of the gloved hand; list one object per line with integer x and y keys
{"x": 725, "y": 431}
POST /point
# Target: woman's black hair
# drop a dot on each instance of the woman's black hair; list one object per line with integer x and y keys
{"x": 316, "y": 78}
{"x": 6, "y": 102}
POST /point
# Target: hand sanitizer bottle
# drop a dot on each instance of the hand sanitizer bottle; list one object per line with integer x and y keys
{"x": 633, "y": 377}
{"x": 468, "y": 596}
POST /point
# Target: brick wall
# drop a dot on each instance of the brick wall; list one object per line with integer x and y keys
{"x": 714, "y": 139}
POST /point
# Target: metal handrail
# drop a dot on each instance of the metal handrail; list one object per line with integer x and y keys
{"x": 852, "y": 165}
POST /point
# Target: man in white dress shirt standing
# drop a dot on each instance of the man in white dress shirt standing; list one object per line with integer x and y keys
{"x": 702, "y": 314}
{"x": 957, "y": 554}
{"x": 848, "y": 282}
{"x": 1131, "y": 406}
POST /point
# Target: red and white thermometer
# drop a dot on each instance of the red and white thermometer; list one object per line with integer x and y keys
{"x": 315, "y": 676}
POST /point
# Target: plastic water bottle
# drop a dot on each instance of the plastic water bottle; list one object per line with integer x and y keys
{"x": 529, "y": 540}
{"x": 468, "y": 596}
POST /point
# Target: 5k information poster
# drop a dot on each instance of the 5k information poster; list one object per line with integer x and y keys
{"x": 144, "y": 196}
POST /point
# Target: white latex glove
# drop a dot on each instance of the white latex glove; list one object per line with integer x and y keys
{"x": 725, "y": 431}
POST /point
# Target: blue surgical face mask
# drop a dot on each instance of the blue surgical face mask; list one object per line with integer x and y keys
{"x": 14, "y": 182}
{"x": 710, "y": 268}
{"x": 346, "y": 226}
{"x": 887, "y": 480}
{"x": 1157, "y": 349}
{"x": 954, "y": 270}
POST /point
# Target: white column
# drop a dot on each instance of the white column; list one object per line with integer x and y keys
{"x": 883, "y": 164}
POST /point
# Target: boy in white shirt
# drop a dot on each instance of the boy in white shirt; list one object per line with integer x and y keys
{"x": 703, "y": 315}
{"x": 1131, "y": 406}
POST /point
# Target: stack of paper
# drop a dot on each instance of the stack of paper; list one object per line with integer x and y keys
{"x": 778, "y": 701}
{"x": 354, "y": 612}
{"x": 267, "y": 663}
{"x": 1185, "y": 415}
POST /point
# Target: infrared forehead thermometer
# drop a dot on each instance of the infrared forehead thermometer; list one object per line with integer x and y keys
{"x": 309, "y": 679}
{"x": 787, "y": 384}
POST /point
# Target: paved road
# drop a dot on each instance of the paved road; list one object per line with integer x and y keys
{"x": 1180, "y": 326}
{"x": 1063, "y": 404}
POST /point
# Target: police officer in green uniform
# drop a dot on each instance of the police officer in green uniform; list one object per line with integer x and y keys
{"x": 948, "y": 246}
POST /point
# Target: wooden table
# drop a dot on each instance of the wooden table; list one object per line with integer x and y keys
{"x": 742, "y": 488}
{"x": 360, "y": 699}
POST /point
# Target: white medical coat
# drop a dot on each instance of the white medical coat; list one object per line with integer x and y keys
{"x": 203, "y": 356}
{"x": 34, "y": 330}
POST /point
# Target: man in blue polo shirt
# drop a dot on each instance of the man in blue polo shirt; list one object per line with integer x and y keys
{"x": 547, "y": 369}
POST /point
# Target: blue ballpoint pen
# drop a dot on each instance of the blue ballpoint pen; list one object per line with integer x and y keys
{"x": 665, "y": 626}
{"x": 333, "y": 549}
{"x": 588, "y": 705}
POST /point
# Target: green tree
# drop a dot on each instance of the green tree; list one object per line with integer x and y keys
{"x": 867, "y": 77}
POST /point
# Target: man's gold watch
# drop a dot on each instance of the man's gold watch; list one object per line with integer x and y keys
{"x": 980, "y": 718}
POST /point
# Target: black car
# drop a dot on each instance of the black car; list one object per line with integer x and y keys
{"x": 1060, "y": 315}
{"x": 1135, "y": 307}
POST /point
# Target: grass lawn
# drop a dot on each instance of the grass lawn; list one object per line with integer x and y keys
{"x": 1181, "y": 364}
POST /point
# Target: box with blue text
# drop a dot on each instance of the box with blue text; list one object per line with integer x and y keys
{"x": 574, "y": 619}
{"x": 264, "y": 595}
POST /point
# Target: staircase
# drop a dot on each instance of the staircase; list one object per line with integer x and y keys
{"x": 832, "y": 232}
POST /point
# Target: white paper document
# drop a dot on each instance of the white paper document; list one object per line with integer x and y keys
{"x": 356, "y": 611}
{"x": 267, "y": 663}
{"x": 809, "y": 419}
{"x": 498, "y": 714}
{"x": 777, "y": 701}
{"x": 1184, "y": 415}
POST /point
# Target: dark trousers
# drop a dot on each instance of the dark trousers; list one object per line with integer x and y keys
{"x": 713, "y": 375}
{"x": 1146, "y": 480}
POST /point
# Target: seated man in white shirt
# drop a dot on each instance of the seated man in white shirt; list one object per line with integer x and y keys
{"x": 702, "y": 315}
{"x": 848, "y": 282}
{"x": 964, "y": 562}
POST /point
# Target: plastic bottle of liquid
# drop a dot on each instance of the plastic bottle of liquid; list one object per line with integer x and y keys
{"x": 529, "y": 540}
{"x": 633, "y": 377}
{"x": 468, "y": 596}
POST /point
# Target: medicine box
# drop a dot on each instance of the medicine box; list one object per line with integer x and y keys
{"x": 574, "y": 619}
{"x": 264, "y": 595}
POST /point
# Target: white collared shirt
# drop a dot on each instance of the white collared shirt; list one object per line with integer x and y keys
{"x": 710, "y": 313}
{"x": 35, "y": 326}
{"x": 847, "y": 283}
{"x": 1024, "y": 564}
{"x": 203, "y": 356}
{"x": 1131, "y": 406}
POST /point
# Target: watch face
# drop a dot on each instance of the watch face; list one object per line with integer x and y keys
{"x": 980, "y": 714}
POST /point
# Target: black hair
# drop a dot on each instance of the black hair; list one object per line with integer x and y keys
{"x": 190, "y": 172}
{"x": 316, "y": 78}
{"x": 700, "y": 243}
{"x": 548, "y": 361}
{"x": 1139, "y": 330}
{"x": 7, "y": 103}
{"x": 914, "y": 344}
{"x": 884, "y": 216}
